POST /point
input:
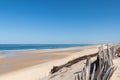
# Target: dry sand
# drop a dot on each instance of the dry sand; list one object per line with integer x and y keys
{"x": 36, "y": 64}
{"x": 116, "y": 75}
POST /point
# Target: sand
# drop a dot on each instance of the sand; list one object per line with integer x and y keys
{"x": 1, "y": 57}
{"x": 36, "y": 64}
{"x": 116, "y": 75}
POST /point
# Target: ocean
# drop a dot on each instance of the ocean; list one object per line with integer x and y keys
{"x": 5, "y": 48}
{"x": 37, "y": 46}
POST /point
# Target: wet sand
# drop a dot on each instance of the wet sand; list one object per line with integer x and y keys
{"x": 22, "y": 59}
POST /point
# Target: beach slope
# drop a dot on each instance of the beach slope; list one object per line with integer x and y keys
{"x": 41, "y": 70}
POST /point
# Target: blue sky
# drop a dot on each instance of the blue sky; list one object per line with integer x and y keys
{"x": 59, "y": 21}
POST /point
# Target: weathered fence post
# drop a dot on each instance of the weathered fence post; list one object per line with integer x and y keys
{"x": 103, "y": 67}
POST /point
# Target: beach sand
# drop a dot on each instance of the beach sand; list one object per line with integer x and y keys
{"x": 36, "y": 64}
{"x": 116, "y": 75}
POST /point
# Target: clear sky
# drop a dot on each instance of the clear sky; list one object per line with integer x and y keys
{"x": 59, "y": 21}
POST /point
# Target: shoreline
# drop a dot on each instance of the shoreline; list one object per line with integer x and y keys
{"x": 48, "y": 48}
{"x": 66, "y": 54}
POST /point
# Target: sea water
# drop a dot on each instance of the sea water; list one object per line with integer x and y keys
{"x": 10, "y": 49}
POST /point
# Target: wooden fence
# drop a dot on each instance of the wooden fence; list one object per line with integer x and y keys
{"x": 101, "y": 69}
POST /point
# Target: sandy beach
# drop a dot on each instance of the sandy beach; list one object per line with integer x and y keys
{"x": 36, "y": 64}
